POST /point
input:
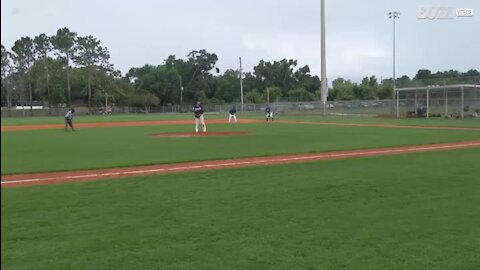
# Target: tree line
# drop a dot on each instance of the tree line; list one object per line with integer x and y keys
{"x": 47, "y": 68}
{"x": 372, "y": 88}
{"x": 67, "y": 69}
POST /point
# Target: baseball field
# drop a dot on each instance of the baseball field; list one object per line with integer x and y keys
{"x": 302, "y": 192}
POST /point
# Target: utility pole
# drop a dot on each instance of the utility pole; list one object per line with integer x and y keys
{"x": 181, "y": 85}
{"x": 323, "y": 89}
{"x": 394, "y": 15}
{"x": 241, "y": 82}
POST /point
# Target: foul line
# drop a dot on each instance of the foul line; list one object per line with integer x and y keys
{"x": 272, "y": 160}
{"x": 379, "y": 125}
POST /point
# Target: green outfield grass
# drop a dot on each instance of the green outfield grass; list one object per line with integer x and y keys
{"x": 55, "y": 150}
{"x": 9, "y": 121}
{"x": 416, "y": 211}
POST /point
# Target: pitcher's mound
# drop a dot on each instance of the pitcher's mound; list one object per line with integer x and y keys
{"x": 199, "y": 134}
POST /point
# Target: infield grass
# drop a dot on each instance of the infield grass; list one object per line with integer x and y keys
{"x": 56, "y": 150}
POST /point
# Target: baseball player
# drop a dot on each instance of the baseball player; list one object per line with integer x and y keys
{"x": 69, "y": 119}
{"x": 232, "y": 115}
{"x": 198, "y": 113}
{"x": 269, "y": 112}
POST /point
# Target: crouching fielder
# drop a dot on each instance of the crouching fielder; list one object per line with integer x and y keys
{"x": 232, "y": 115}
{"x": 199, "y": 120}
{"x": 269, "y": 113}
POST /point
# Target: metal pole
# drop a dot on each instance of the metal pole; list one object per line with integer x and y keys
{"x": 241, "y": 83}
{"x": 415, "y": 107}
{"x": 398, "y": 104}
{"x": 394, "y": 15}
{"x": 323, "y": 89}
{"x": 446, "y": 102}
{"x": 463, "y": 105}
{"x": 181, "y": 95}
{"x": 394, "y": 65}
{"x": 268, "y": 96}
{"x": 181, "y": 85}
{"x": 394, "y": 54}
{"x": 428, "y": 103}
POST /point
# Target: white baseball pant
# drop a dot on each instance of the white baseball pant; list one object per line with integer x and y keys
{"x": 200, "y": 122}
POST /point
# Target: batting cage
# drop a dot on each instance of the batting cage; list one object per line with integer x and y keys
{"x": 459, "y": 101}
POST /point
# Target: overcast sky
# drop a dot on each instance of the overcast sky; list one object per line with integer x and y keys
{"x": 359, "y": 33}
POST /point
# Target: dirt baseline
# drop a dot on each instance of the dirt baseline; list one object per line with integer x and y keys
{"x": 199, "y": 134}
{"x": 123, "y": 124}
{"x": 217, "y": 121}
{"x": 91, "y": 175}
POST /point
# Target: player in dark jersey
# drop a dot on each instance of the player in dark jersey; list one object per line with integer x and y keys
{"x": 69, "y": 119}
{"x": 269, "y": 112}
{"x": 232, "y": 115}
{"x": 199, "y": 119}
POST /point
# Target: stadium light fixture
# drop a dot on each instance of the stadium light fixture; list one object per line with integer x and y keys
{"x": 394, "y": 15}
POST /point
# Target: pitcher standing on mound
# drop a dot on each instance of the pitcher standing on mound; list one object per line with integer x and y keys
{"x": 199, "y": 120}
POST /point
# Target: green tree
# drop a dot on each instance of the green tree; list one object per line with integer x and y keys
{"x": 6, "y": 69}
{"x": 423, "y": 77}
{"x": 92, "y": 56}
{"x": 5, "y": 62}
{"x": 178, "y": 79}
{"x": 367, "y": 89}
{"x": 301, "y": 94}
{"x": 342, "y": 89}
{"x": 144, "y": 99}
{"x": 278, "y": 73}
{"x": 24, "y": 58}
{"x": 306, "y": 80}
{"x": 55, "y": 92}
{"x": 107, "y": 83}
{"x": 159, "y": 80}
{"x": 385, "y": 91}
{"x": 250, "y": 82}
{"x": 180, "y": 68}
{"x": 423, "y": 74}
{"x": 228, "y": 86}
{"x": 254, "y": 97}
{"x": 200, "y": 67}
{"x": 274, "y": 92}
{"x": 121, "y": 90}
{"x": 43, "y": 47}
{"x": 201, "y": 96}
{"x": 64, "y": 42}
{"x": 403, "y": 81}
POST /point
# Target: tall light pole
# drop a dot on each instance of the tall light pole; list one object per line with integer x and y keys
{"x": 323, "y": 89}
{"x": 394, "y": 15}
{"x": 241, "y": 82}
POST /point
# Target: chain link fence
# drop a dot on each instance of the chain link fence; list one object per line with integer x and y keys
{"x": 409, "y": 106}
